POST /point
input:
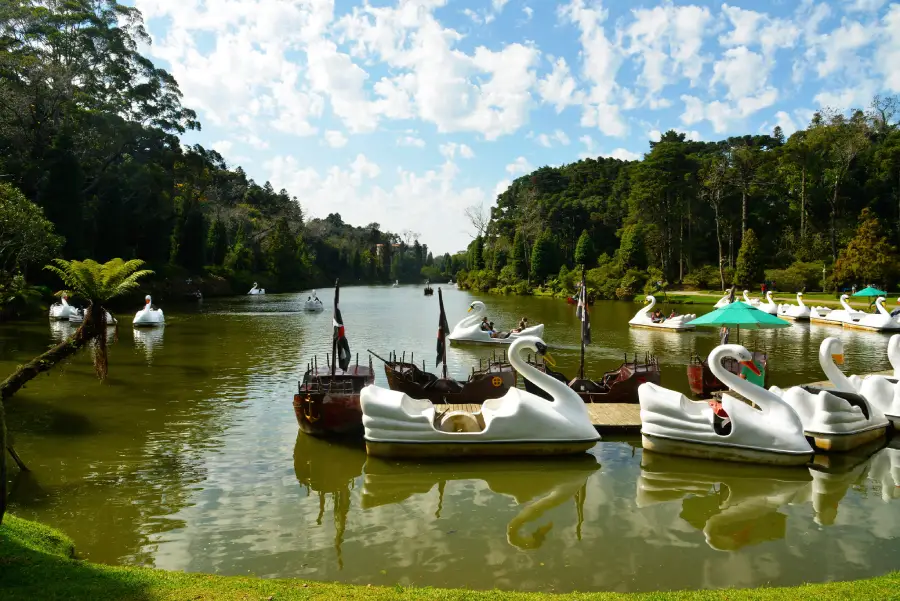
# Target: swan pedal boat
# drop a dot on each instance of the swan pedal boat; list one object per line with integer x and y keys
{"x": 313, "y": 304}
{"x": 256, "y": 290}
{"x": 724, "y": 301}
{"x": 517, "y": 424}
{"x": 490, "y": 382}
{"x": 77, "y": 316}
{"x": 148, "y": 317}
{"x": 846, "y": 314}
{"x": 877, "y": 322}
{"x": 62, "y": 310}
{"x": 883, "y": 391}
{"x": 769, "y": 306}
{"x": 469, "y": 329}
{"x": 642, "y": 319}
{"x": 770, "y": 433}
{"x": 753, "y": 302}
{"x": 834, "y": 419}
{"x": 798, "y": 312}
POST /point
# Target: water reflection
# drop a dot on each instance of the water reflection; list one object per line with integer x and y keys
{"x": 733, "y": 505}
{"x": 60, "y": 330}
{"x": 148, "y": 340}
{"x": 536, "y": 487}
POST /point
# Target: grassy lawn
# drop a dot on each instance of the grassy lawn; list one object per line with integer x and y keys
{"x": 36, "y": 563}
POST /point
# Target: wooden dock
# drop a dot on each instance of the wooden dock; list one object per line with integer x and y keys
{"x": 607, "y": 418}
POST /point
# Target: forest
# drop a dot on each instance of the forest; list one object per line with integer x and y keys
{"x": 819, "y": 210}
{"x": 91, "y": 166}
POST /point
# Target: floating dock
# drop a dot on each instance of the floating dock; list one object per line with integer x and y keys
{"x": 607, "y": 418}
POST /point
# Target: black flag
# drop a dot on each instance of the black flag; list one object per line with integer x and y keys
{"x": 342, "y": 347}
{"x": 443, "y": 332}
{"x": 582, "y": 311}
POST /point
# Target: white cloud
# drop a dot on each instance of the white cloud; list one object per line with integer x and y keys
{"x": 488, "y": 15}
{"x": 223, "y": 147}
{"x": 335, "y": 139}
{"x": 865, "y": 5}
{"x": 519, "y": 166}
{"x": 588, "y": 142}
{"x": 558, "y": 136}
{"x": 840, "y": 47}
{"x": 786, "y": 123}
{"x": 411, "y": 141}
{"x": 600, "y": 63}
{"x": 750, "y": 28}
{"x": 667, "y": 41}
{"x": 889, "y": 51}
{"x": 741, "y": 71}
{"x": 253, "y": 140}
{"x": 857, "y": 96}
{"x": 693, "y": 110}
{"x": 351, "y": 190}
{"x": 558, "y": 87}
{"x": 466, "y": 152}
{"x": 529, "y": 12}
{"x": 655, "y": 135}
{"x": 450, "y": 149}
{"x": 624, "y": 155}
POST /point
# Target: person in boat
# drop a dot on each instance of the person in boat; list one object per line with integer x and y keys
{"x": 485, "y": 326}
{"x": 657, "y": 316}
{"x": 672, "y": 314}
{"x": 491, "y": 329}
{"x": 523, "y": 323}
{"x": 723, "y": 335}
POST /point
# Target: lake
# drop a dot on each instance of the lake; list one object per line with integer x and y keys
{"x": 188, "y": 458}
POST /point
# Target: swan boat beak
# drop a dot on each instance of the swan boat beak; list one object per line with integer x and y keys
{"x": 469, "y": 310}
{"x": 751, "y": 366}
{"x": 838, "y": 359}
{"x": 548, "y": 359}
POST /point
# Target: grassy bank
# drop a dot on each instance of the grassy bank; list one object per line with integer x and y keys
{"x": 36, "y": 562}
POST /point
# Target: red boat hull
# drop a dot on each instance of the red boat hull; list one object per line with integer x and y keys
{"x": 328, "y": 415}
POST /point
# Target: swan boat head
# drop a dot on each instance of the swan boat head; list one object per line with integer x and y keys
{"x": 768, "y": 432}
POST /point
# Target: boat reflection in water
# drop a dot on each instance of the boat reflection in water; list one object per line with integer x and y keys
{"x": 834, "y": 474}
{"x": 60, "y": 330}
{"x": 536, "y": 486}
{"x": 329, "y": 469}
{"x": 148, "y": 340}
{"x": 734, "y": 505}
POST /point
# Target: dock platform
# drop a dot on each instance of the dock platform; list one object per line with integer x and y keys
{"x": 607, "y": 418}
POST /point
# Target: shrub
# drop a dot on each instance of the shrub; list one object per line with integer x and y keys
{"x": 703, "y": 278}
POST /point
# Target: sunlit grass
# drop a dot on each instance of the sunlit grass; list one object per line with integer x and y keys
{"x": 36, "y": 564}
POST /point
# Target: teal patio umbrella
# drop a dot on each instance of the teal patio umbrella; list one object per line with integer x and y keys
{"x": 870, "y": 292}
{"x": 741, "y": 315}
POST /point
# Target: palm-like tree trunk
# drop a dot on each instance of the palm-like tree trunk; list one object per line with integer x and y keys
{"x": 93, "y": 327}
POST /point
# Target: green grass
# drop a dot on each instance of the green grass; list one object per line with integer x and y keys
{"x": 36, "y": 564}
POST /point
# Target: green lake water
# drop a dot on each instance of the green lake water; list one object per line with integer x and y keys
{"x": 188, "y": 458}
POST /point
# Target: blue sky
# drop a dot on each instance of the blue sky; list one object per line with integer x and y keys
{"x": 407, "y": 112}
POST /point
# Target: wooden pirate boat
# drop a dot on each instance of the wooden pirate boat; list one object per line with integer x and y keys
{"x": 617, "y": 386}
{"x": 703, "y": 382}
{"x": 327, "y": 399}
{"x": 429, "y": 291}
{"x": 490, "y": 381}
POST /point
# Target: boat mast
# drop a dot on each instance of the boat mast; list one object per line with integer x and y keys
{"x": 582, "y": 300}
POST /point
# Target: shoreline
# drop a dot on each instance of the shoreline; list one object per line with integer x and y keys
{"x": 40, "y": 562}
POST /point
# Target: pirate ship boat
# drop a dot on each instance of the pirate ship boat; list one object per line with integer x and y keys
{"x": 429, "y": 291}
{"x": 703, "y": 382}
{"x": 487, "y": 382}
{"x": 617, "y": 386}
{"x": 327, "y": 399}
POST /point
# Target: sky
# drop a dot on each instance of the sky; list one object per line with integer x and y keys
{"x": 406, "y": 112}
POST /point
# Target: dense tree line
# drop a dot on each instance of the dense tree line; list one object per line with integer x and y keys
{"x": 708, "y": 214}
{"x": 89, "y": 133}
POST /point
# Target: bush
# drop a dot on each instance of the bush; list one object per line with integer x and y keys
{"x": 749, "y": 267}
{"x": 799, "y": 276}
{"x": 630, "y": 284}
{"x": 703, "y": 278}
{"x": 521, "y": 289}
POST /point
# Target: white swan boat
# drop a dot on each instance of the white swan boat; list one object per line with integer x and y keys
{"x": 798, "y": 312}
{"x": 753, "y": 302}
{"x": 62, "y": 310}
{"x": 77, "y": 315}
{"x": 396, "y": 284}
{"x": 837, "y": 419}
{"x": 769, "y": 306}
{"x": 838, "y": 316}
{"x": 770, "y": 434}
{"x": 877, "y": 322}
{"x": 148, "y": 317}
{"x": 725, "y": 300}
{"x": 517, "y": 424}
{"x": 313, "y": 303}
{"x": 256, "y": 290}
{"x": 642, "y": 319}
{"x": 881, "y": 391}
{"x": 469, "y": 329}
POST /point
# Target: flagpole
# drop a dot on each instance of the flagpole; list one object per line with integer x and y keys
{"x": 334, "y": 341}
{"x": 583, "y": 308}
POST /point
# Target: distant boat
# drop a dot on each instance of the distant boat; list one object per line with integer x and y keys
{"x": 396, "y": 283}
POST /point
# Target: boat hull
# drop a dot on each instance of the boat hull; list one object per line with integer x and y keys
{"x": 838, "y": 443}
{"x": 661, "y": 327}
{"x": 328, "y": 414}
{"x": 858, "y": 326}
{"x": 465, "y": 449}
{"x": 684, "y": 448}
{"x": 484, "y": 386}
